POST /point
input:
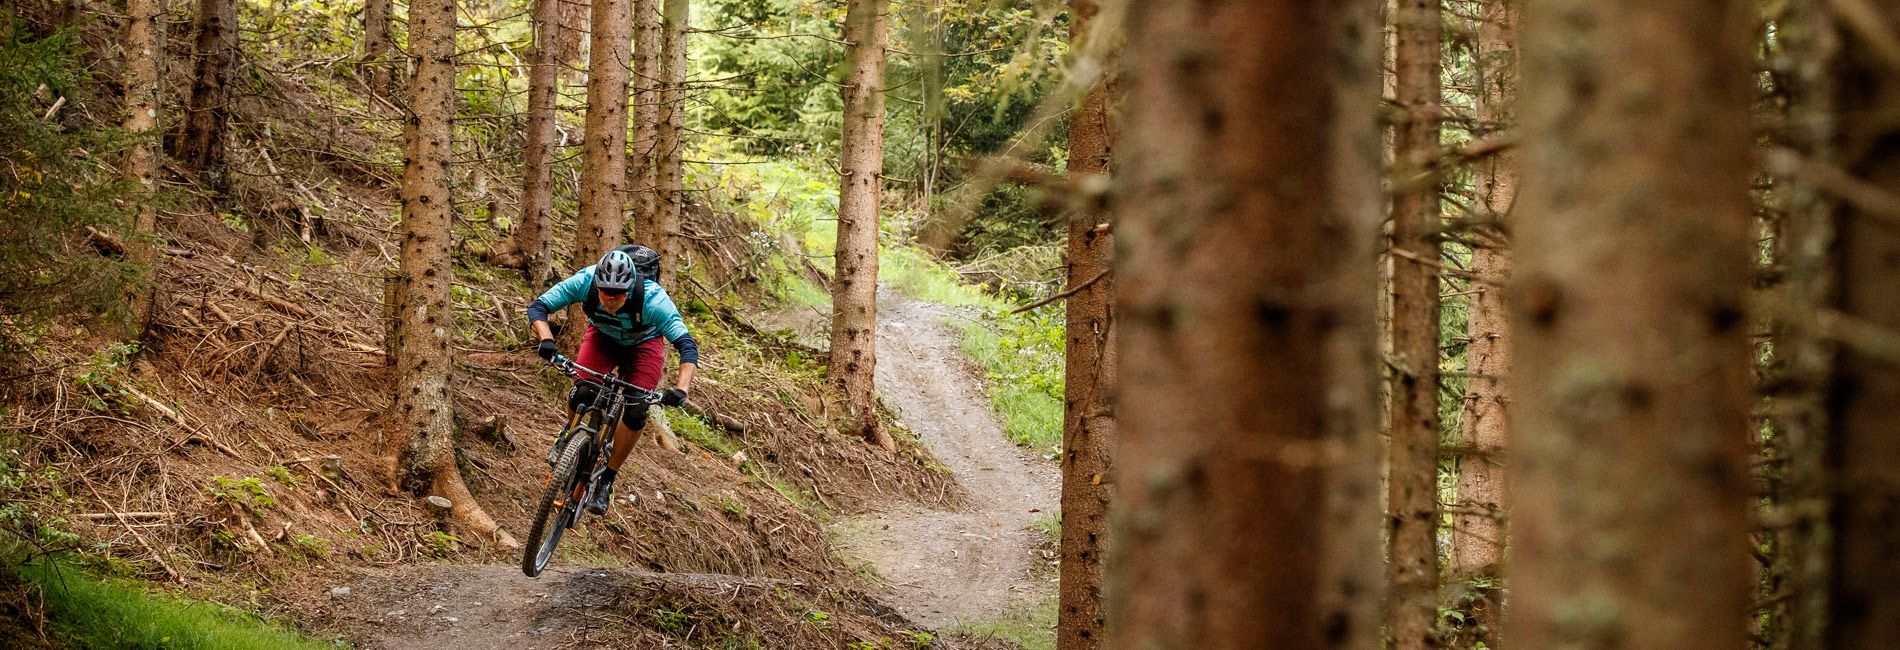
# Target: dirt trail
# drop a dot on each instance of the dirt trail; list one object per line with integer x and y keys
{"x": 941, "y": 567}
{"x": 946, "y": 567}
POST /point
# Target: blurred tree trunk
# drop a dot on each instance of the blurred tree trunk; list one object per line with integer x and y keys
{"x": 1247, "y": 515}
{"x": 647, "y": 20}
{"x": 1863, "y": 455}
{"x": 1630, "y": 476}
{"x": 854, "y": 284}
{"x": 1478, "y": 529}
{"x": 669, "y": 151}
{"x": 1411, "y": 568}
{"x": 144, "y": 96}
{"x": 1088, "y": 418}
{"x": 200, "y": 147}
{"x": 377, "y": 42}
{"x": 423, "y": 412}
{"x": 535, "y": 233}
{"x": 601, "y": 219}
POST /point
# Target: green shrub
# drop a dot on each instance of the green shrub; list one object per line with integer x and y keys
{"x": 55, "y": 184}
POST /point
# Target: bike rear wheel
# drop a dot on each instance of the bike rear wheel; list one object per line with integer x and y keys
{"x": 560, "y": 504}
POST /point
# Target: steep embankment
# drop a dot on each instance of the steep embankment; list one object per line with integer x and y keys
{"x": 980, "y": 562}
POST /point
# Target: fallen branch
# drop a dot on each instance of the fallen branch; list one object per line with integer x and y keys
{"x": 92, "y": 516}
{"x": 179, "y": 420}
{"x": 160, "y": 559}
{"x": 1075, "y": 290}
{"x": 278, "y": 303}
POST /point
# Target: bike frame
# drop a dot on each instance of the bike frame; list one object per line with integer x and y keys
{"x": 612, "y": 404}
{"x": 561, "y": 505}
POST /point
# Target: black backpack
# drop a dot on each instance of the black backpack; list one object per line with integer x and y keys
{"x": 646, "y": 261}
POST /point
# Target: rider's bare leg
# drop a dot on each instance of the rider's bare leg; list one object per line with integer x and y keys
{"x": 624, "y": 439}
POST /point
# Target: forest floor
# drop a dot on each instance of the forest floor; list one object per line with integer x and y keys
{"x": 936, "y": 568}
{"x": 981, "y": 562}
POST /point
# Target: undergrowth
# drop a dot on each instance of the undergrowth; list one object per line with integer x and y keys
{"x": 1034, "y": 628}
{"x": 86, "y": 611}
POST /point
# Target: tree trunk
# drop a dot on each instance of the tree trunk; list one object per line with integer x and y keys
{"x": 422, "y": 410}
{"x": 1631, "y": 486}
{"x": 1863, "y": 454}
{"x": 1247, "y": 514}
{"x": 861, "y": 168}
{"x": 669, "y": 169}
{"x": 535, "y": 232}
{"x": 200, "y": 148}
{"x": 647, "y": 20}
{"x": 144, "y": 96}
{"x": 377, "y": 41}
{"x": 1478, "y": 530}
{"x": 601, "y": 219}
{"x": 926, "y": 39}
{"x": 1088, "y": 415}
{"x": 1411, "y": 568}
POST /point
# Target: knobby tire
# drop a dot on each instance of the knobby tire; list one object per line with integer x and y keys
{"x": 546, "y": 534}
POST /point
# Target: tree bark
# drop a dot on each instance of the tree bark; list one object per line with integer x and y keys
{"x": 1088, "y": 415}
{"x": 1411, "y": 568}
{"x": 1630, "y": 476}
{"x": 1247, "y": 512}
{"x": 647, "y": 20}
{"x": 200, "y": 148}
{"x": 144, "y": 96}
{"x": 1478, "y": 530}
{"x": 601, "y": 219}
{"x": 861, "y": 168}
{"x": 535, "y": 232}
{"x": 422, "y": 411}
{"x": 669, "y": 169}
{"x": 377, "y": 41}
{"x": 1863, "y": 454}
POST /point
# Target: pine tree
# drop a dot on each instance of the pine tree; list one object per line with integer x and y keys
{"x": 377, "y": 42}
{"x": 669, "y": 170}
{"x": 1412, "y": 478}
{"x": 1088, "y": 417}
{"x": 854, "y": 284}
{"x": 648, "y": 17}
{"x": 599, "y": 225}
{"x": 144, "y": 97}
{"x": 423, "y": 412}
{"x": 1247, "y": 508}
{"x": 535, "y": 232}
{"x": 200, "y": 148}
{"x": 1629, "y": 466}
{"x": 1478, "y": 531}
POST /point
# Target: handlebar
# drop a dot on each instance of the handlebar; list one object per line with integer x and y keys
{"x": 571, "y": 369}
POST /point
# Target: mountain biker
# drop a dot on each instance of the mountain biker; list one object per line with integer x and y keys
{"x": 627, "y": 314}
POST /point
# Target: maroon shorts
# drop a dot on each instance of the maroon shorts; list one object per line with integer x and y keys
{"x": 640, "y": 364}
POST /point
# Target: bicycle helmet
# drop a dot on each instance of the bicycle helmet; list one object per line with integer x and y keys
{"x": 615, "y": 272}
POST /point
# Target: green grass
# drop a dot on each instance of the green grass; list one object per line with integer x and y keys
{"x": 1049, "y": 524}
{"x": 85, "y": 611}
{"x": 911, "y": 273}
{"x": 1024, "y": 387}
{"x": 1033, "y": 628}
{"x": 696, "y": 431}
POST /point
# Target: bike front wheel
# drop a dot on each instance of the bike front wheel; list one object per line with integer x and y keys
{"x": 560, "y": 504}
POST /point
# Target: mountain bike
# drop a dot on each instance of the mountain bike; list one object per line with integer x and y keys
{"x": 584, "y": 444}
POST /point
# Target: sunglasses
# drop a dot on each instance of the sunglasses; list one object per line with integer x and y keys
{"x": 613, "y": 293}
